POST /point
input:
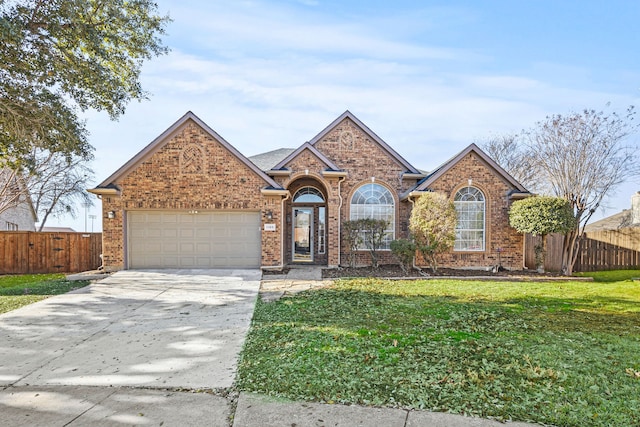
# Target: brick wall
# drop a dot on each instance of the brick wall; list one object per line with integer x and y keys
{"x": 192, "y": 171}
{"x": 499, "y": 235}
{"x": 351, "y": 149}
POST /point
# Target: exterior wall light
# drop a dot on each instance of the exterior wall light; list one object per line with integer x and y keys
{"x": 111, "y": 214}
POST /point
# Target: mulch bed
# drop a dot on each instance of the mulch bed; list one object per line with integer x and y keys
{"x": 392, "y": 270}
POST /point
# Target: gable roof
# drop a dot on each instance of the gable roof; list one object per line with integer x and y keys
{"x": 446, "y": 166}
{"x": 370, "y": 133}
{"x": 110, "y": 183}
{"x": 307, "y": 146}
{"x": 266, "y": 161}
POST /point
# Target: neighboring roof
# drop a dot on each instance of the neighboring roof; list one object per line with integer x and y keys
{"x": 164, "y": 138}
{"x": 266, "y": 161}
{"x": 370, "y": 133}
{"x": 437, "y": 173}
{"x": 314, "y": 151}
{"x": 58, "y": 229}
{"x": 613, "y": 222}
{"x": 26, "y": 195}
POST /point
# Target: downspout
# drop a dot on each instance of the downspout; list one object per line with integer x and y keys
{"x": 413, "y": 263}
{"x": 340, "y": 180}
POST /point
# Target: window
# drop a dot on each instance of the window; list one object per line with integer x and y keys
{"x": 374, "y": 201}
{"x": 470, "y": 231}
{"x": 12, "y": 226}
{"x": 321, "y": 230}
{"x": 308, "y": 195}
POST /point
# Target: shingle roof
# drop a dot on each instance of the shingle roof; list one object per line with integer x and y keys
{"x": 613, "y": 222}
{"x": 438, "y": 172}
{"x": 314, "y": 151}
{"x": 266, "y": 161}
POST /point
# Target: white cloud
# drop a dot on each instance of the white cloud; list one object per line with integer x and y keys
{"x": 269, "y": 75}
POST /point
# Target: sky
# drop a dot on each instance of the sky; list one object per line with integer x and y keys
{"x": 428, "y": 77}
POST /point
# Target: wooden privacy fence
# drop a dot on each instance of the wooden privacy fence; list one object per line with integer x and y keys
{"x": 609, "y": 250}
{"x": 599, "y": 250}
{"x": 27, "y": 252}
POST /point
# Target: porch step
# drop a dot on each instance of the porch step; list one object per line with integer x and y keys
{"x": 305, "y": 273}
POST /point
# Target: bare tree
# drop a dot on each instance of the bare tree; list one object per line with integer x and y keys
{"x": 582, "y": 157}
{"x": 512, "y": 154}
{"x": 13, "y": 189}
{"x": 57, "y": 183}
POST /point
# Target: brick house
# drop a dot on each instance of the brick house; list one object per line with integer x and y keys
{"x": 191, "y": 200}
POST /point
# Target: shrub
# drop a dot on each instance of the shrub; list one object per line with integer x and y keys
{"x": 352, "y": 239}
{"x": 433, "y": 225}
{"x": 404, "y": 250}
{"x": 540, "y": 216}
{"x": 374, "y": 231}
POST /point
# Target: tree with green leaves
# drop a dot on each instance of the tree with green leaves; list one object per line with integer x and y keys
{"x": 60, "y": 57}
{"x": 540, "y": 216}
{"x": 433, "y": 226}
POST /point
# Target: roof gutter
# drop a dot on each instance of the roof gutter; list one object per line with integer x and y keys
{"x": 104, "y": 191}
{"x": 411, "y": 194}
{"x": 273, "y": 192}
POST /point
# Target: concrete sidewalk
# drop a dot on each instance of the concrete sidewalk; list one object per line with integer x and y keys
{"x": 260, "y": 411}
{"x": 123, "y": 406}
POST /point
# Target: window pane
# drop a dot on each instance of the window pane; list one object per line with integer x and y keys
{"x": 470, "y": 230}
{"x": 374, "y": 201}
{"x": 308, "y": 195}
{"x": 321, "y": 230}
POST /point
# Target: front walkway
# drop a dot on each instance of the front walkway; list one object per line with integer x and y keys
{"x": 297, "y": 279}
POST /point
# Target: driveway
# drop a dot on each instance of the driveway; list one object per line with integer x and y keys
{"x": 177, "y": 329}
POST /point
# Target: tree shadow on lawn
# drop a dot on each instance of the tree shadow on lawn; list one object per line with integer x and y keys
{"x": 545, "y": 359}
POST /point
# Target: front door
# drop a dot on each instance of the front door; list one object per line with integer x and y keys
{"x": 302, "y": 235}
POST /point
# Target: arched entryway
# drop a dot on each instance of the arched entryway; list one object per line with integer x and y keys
{"x": 307, "y": 223}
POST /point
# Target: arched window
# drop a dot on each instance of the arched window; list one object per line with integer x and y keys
{"x": 375, "y": 201}
{"x": 470, "y": 231}
{"x": 308, "y": 195}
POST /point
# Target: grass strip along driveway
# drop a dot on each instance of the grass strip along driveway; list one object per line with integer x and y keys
{"x": 19, "y": 290}
{"x": 565, "y": 353}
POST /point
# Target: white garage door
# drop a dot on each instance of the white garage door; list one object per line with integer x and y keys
{"x": 167, "y": 239}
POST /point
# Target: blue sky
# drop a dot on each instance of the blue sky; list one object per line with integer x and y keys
{"x": 429, "y": 77}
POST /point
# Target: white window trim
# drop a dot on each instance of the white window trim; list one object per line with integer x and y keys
{"x": 484, "y": 221}
{"x": 391, "y": 230}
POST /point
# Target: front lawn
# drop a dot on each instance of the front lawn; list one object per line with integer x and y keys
{"x": 19, "y": 290}
{"x": 563, "y": 353}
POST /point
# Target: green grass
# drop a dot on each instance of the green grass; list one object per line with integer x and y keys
{"x": 556, "y": 353}
{"x": 20, "y": 290}
{"x": 611, "y": 276}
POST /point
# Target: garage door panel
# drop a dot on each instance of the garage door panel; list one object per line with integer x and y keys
{"x": 162, "y": 239}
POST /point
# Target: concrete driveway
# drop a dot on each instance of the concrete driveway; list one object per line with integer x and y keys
{"x": 178, "y": 329}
